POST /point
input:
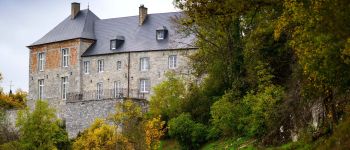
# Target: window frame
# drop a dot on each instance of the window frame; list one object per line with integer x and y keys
{"x": 115, "y": 44}
{"x": 119, "y": 65}
{"x": 41, "y": 61}
{"x": 65, "y": 57}
{"x": 64, "y": 87}
{"x": 86, "y": 67}
{"x": 144, "y": 64}
{"x": 144, "y": 86}
{"x": 99, "y": 90}
{"x": 172, "y": 61}
{"x": 41, "y": 85}
{"x": 100, "y": 65}
{"x": 117, "y": 89}
{"x": 160, "y": 34}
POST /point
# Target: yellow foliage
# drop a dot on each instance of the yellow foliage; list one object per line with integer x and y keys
{"x": 154, "y": 131}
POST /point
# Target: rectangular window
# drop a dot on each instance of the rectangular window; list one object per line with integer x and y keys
{"x": 144, "y": 86}
{"x": 64, "y": 87}
{"x": 160, "y": 34}
{"x": 99, "y": 90}
{"x": 41, "y": 89}
{"x": 100, "y": 65}
{"x": 86, "y": 67}
{"x": 172, "y": 61}
{"x": 119, "y": 65}
{"x": 113, "y": 44}
{"x": 41, "y": 57}
{"x": 65, "y": 57}
{"x": 117, "y": 89}
{"x": 144, "y": 63}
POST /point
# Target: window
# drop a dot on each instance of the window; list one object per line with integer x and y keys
{"x": 64, "y": 87}
{"x": 119, "y": 65}
{"x": 118, "y": 91}
{"x": 41, "y": 57}
{"x": 99, "y": 90}
{"x": 86, "y": 67}
{"x": 113, "y": 44}
{"x": 160, "y": 34}
{"x": 100, "y": 65}
{"x": 144, "y": 86}
{"x": 144, "y": 63}
{"x": 65, "y": 57}
{"x": 41, "y": 89}
{"x": 172, "y": 61}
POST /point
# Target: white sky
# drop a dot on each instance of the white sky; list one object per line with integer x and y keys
{"x": 22, "y": 22}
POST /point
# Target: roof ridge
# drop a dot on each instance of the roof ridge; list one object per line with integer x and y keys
{"x": 137, "y": 15}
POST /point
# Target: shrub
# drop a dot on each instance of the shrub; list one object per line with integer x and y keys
{"x": 40, "y": 128}
{"x": 189, "y": 134}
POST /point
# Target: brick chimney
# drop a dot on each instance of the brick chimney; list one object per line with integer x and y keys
{"x": 142, "y": 14}
{"x": 75, "y": 9}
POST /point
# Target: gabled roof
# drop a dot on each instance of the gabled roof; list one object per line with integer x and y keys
{"x": 82, "y": 26}
{"x": 137, "y": 38}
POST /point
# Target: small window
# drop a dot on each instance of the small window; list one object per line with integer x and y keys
{"x": 113, "y": 44}
{"x": 100, "y": 65}
{"x": 118, "y": 91}
{"x": 41, "y": 61}
{"x": 172, "y": 61}
{"x": 161, "y": 33}
{"x": 144, "y": 64}
{"x": 99, "y": 90}
{"x": 86, "y": 67}
{"x": 41, "y": 89}
{"x": 65, "y": 57}
{"x": 119, "y": 65}
{"x": 144, "y": 86}
{"x": 64, "y": 87}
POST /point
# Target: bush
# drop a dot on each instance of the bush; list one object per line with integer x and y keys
{"x": 189, "y": 134}
{"x": 40, "y": 128}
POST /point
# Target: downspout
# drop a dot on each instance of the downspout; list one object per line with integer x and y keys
{"x": 128, "y": 74}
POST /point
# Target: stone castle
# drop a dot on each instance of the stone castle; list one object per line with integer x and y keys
{"x": 85, "y": 65}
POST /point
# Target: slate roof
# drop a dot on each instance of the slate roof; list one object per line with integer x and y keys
{"x": 137, "y": 38}
{"x": 82, "y": 26}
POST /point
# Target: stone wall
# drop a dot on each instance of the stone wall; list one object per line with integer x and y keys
{"x": 80, "y": 115}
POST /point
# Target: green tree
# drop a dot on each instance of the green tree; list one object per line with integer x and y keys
{"x": 39, "y": 129}
{"x": 167, "y": 98}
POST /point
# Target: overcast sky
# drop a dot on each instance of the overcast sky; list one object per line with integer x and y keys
{"x": 22, "y": 22}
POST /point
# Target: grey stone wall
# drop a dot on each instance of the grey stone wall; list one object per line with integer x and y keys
{"x": 80, "y": 115}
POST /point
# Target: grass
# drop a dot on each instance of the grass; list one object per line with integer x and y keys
{"x": 231, "y": 144}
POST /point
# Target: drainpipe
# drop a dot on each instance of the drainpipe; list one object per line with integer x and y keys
{"x": 128, "y": 74}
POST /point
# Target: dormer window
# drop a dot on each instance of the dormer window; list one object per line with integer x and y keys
{"x": 117, "y": 42}
{"x": 161, "y": 33}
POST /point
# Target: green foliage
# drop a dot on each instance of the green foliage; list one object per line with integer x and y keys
{"x": 40, "y": 128}
{"x": 167, "y": 97}
{"x": 189, "y": 134}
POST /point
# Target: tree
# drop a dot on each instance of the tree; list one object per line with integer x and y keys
{"x": 40, "y": 128}
{"x": 99, "y": 136}
{"x": 154, "y": 130}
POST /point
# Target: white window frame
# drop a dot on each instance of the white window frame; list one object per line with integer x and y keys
{"x": 172, "y": 61}
{"x": 64, "y": 87}
{"x": 41, "y": 61}
{"x": 113, "y": 44}
{"x": 160, "y": 34}
{"x": 41, "y": 88}
{"x": 65, "y": 57}
{"x": 119, "y": 65}
{"x": 144, "y": 64}
{"x": 117, "y": 89}
{"x": 144, "y": 86}
{"x": 86, "y": 67}
{"x": 99, "y": 91}
{"x": 100, "y": 65}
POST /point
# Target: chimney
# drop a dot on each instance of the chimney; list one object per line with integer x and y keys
{"x": 142, "y": 14}
{"x": 75, "y": 9}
